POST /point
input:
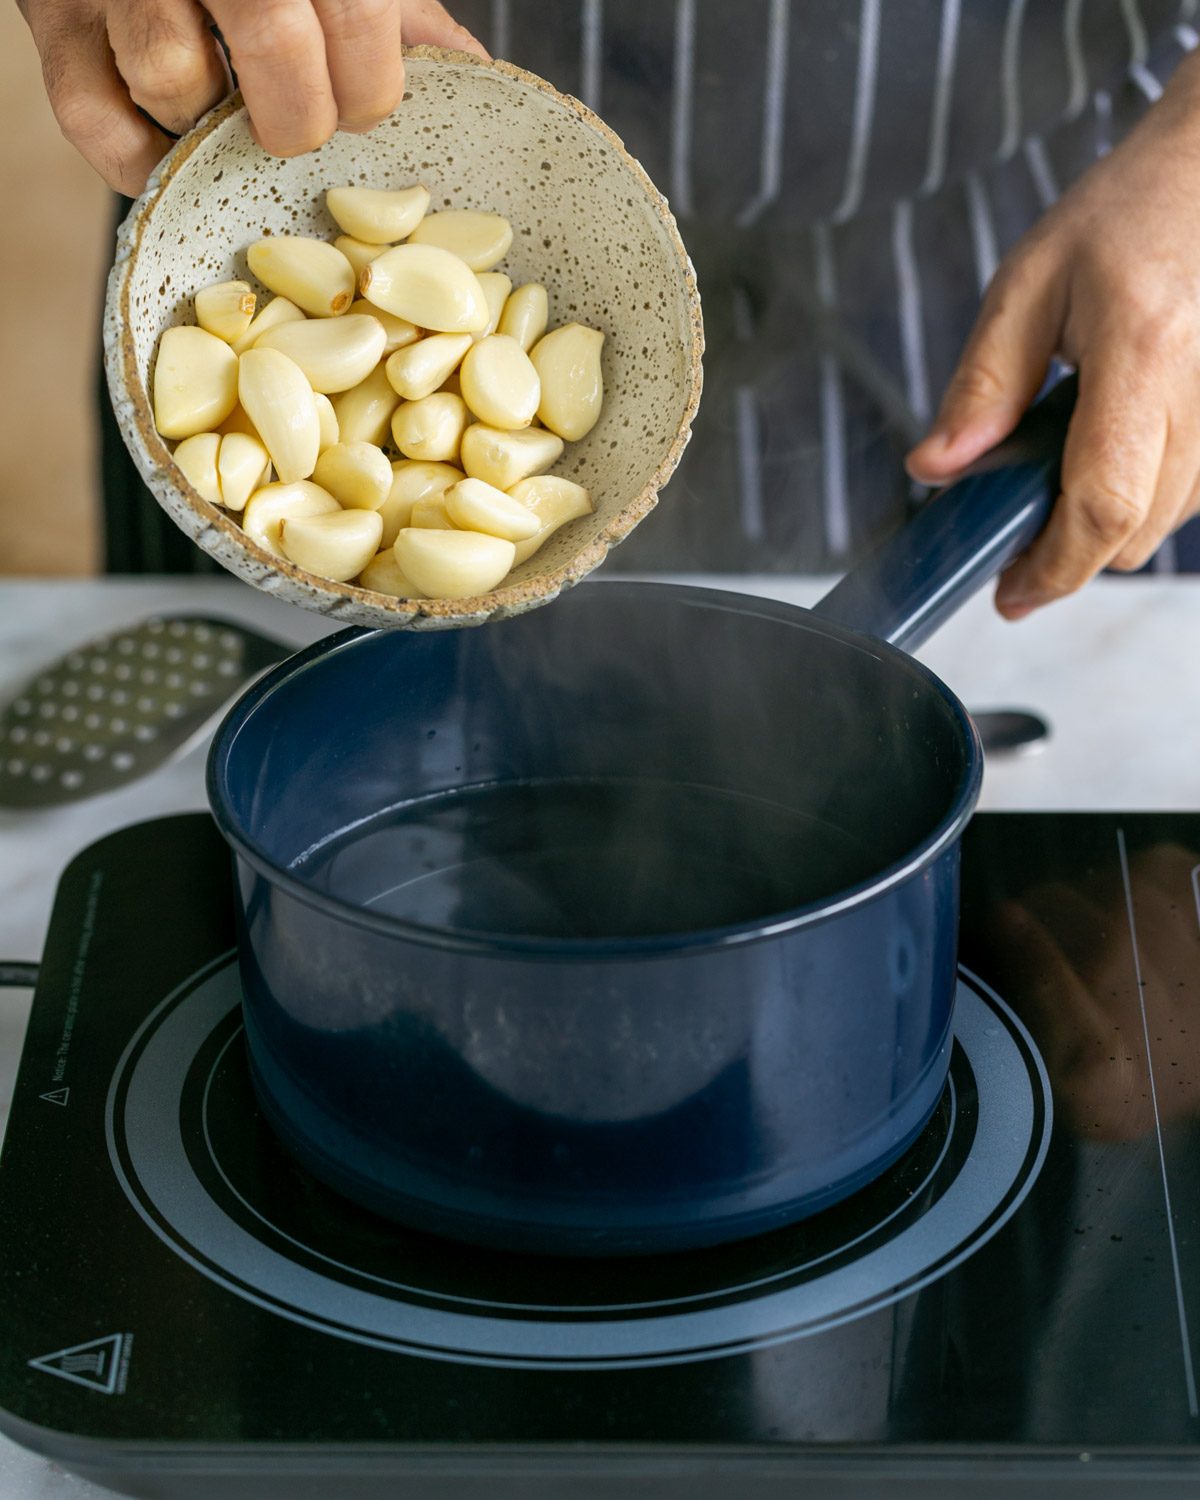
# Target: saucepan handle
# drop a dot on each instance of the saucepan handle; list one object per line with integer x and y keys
{"x": 963, "y": 537}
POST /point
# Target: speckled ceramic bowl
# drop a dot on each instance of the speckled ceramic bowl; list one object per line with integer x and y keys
{"x": 588, "y": 223}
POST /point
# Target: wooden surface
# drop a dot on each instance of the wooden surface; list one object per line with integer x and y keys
{"x": 53, "y": 259}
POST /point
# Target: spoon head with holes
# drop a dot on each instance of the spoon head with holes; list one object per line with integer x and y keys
{"x": 118, "y": 707}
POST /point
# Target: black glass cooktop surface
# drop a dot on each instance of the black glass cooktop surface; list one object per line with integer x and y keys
{"x": 1011, "y": 1304}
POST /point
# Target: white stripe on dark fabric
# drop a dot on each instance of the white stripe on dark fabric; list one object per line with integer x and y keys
{"x": 1139, "y": 45}
{"x": 912, "y": 326}
{"x": 864, "y": 111}
{"x": 935, "y": 167}
{"x": 591, "y": 53}
{"x": 1010, "y": 70}
{"x": 1187, "y": 37}
{"x": 501, "y": 28}
{"x": 1188, "y": 9}
{"x": 1077, "y": 69}
{"x": 1044, "y": 182}
{"x": 749, "y": 437}
{"x": 1146, "y": 82}
{"x": 681, "y": 106}
{"x": 833, "y": 414}
{"x": 1103, "y": 109}
{"x": 774, "y": 98}
{"x": 749, "y": 450}
{"x": 983, "y": 231}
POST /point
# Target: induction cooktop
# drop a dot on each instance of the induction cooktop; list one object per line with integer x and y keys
{"x": 1011, "y": 1305}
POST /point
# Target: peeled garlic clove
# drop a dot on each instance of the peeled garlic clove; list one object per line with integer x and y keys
{"x": 226, "y": 308}
{"x": 310, "y": 272}
{"x": 431, "y": 515}
{"x": 237, "y": 421}
{"x": 337, "y": 545}
{"x": 242, "y": 467}
{"x": 427, "y": 286}
{"x": 357, "y": 475}
{"x": 568, "y": 363}
{"x": 196, "y": 457}
{"x": 480, "y": 239}
{"x": 278, "y": 311}
{"x": 553, "y": 501}
{"x": 499, "y": 382}
{"x": 357, "y": 252}
{"x": 195, "y": 382}
{"x": 279, "y": 401}
{"x": 413, "y": 482}
{"x": 383, "y": 575}
{"x": 496, "y": 287}
{"x": 377, "y": 215}
{"x": 522, "y": 550}
{"x": 267, "y": 507}
{"x": 327, "y": 418}
{"x": 430, "y": 429}
{"x": 398, "y": 332}
{"x": 476, "y": 506}
{"x": 363, "y": 413}
{"x": 525, "y": 315}
{"x": 505, "y": 458}
{"x": 453, "y": 564}
{"x": 417, "y": 370}
{"x": 334, "y": 353}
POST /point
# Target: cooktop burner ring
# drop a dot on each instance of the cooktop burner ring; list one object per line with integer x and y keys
{"x": 237, "y": 1245}
{"x": 509, "y": 1306}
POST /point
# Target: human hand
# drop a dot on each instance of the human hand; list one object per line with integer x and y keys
{"x": 306, "y": 68}
{"x": 1109, "y": 281}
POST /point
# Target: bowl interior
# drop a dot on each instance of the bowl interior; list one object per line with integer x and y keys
{"x": 587, "y": 223}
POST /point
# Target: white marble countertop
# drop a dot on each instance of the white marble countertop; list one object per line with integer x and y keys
{"x": 1116, "y": 671}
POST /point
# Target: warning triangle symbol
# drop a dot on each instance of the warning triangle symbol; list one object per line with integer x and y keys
{"x": 96, "y": 1364}
{"x": 56, "y": 1096}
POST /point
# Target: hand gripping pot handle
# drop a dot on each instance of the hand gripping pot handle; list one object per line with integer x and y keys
{"x": 909, "y": 587}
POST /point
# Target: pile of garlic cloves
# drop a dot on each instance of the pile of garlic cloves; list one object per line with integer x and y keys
{"x": 389, "y": 416}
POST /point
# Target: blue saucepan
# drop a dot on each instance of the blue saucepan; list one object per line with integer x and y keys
{"x": 627, "y": 925}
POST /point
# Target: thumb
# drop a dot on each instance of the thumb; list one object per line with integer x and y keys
{"x": 1001, "y": 370}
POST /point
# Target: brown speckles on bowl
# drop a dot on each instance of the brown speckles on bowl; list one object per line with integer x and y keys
{"x": 604, "y": 243}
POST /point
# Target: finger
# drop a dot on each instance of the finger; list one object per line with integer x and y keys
{"x": 278, "y": 52}
{"x": 364, "y": 58}
{"x": 428, "y": 24}
{"x": 1001, "y": 370}
{"x": 1110, "y": 471}
{"x": 1169, "y": 508}
{"x": 91, "y": 102}
{"x": 169, "y": 59}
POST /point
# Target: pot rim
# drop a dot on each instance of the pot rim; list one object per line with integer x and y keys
{"x": 946, "y": 832}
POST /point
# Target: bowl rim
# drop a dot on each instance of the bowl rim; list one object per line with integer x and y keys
{"x": 222, "y": 537}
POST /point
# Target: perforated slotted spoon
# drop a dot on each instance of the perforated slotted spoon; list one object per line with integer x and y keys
{"x": 118, "y": 707}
